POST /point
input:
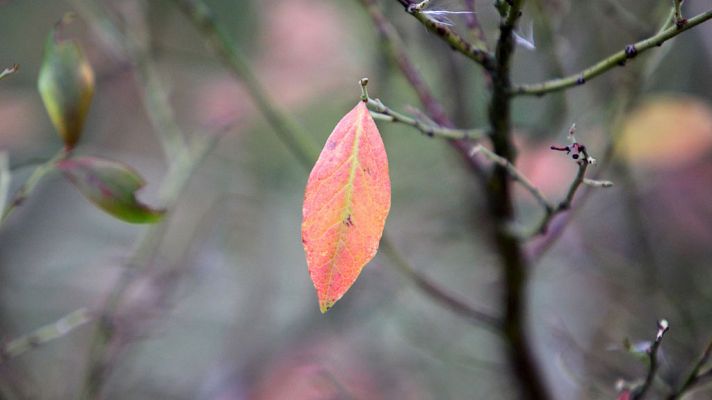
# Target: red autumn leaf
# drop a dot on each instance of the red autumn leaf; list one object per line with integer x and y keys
{"x": 346, "y": 203}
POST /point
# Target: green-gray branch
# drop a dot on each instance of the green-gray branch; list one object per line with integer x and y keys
{"x": 475, "y": 53}
{"x": 45, "y": 334}
{"x": 619, "y": 58}
{"x": 380, "y": 112}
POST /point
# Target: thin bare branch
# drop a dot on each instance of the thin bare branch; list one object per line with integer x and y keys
{"x": 620, "y": 58}
{"x": 383, "y": 113}
{"x": 516, "y": 175}
{"x": 477, "y": 54}
{"x": 640, "y": 392}
{"x": 45, "y": 334}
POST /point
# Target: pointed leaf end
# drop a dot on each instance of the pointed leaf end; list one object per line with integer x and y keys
{"x": 326, "y": 305}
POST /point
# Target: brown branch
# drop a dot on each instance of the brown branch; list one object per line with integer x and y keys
{"x": 695, "y": 377}
{"x": 529, "y": 376}
{"x": 458, "y": 43}
{"x": 640, "y": 392}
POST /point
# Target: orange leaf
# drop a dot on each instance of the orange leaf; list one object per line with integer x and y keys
{"x": 346, "y": 203}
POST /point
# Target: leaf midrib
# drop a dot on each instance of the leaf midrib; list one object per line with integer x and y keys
{"x": 347, "y": 201}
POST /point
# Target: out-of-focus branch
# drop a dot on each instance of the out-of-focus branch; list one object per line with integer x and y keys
{"x": 222, "y": 43}
{"x": 5, "y": 179}
{"x": 183, "y": 156}
{"x": 45, "y": 334}
{"x": 473, "y": 24}
{"x": 696, "y": 375}
{"x": 9, "y": 70}
{"x": 133, "y": 46}
{"x": 629, "y": 52}
{"x": 383, "y": 113}
{"x": 475, "y": 53}
{"x": 516, "y": 175}
{"x": 439, "y": 294}
{"x": 30, "y": 184}
{"x": 640, "y": 392}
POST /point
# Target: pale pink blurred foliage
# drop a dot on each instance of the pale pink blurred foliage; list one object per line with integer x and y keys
{"x": 322, "y": 370}
{"x": 305, "y": 54}
{"x": 549, "y": 170}
{"x": 685, "y": 193}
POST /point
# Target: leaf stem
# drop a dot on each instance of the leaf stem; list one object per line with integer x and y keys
{"x": 30, "y": 184}
{"x": 619, "y": 58}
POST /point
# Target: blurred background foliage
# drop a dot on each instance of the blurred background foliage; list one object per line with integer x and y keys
{"x": 228, "y": 310}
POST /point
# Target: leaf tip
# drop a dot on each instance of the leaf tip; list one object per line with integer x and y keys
{"x": 325, "y": 305}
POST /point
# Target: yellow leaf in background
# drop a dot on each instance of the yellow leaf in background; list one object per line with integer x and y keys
{"x": 667, "y": 131}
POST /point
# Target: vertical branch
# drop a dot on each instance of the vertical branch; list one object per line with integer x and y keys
{"x": 520, "y": 353}
{"x": 641, "y": 391}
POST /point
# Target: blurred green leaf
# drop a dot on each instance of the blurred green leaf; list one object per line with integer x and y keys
{"x": 111, "y": 186}
{"x": 66, "y": 84}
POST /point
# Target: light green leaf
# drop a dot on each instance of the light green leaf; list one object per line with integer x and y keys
{"x": 66, "y": 84}
{"x": 111, "y": 186}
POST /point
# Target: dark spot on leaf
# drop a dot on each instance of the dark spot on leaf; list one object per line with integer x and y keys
{"x": 348, "y": 221}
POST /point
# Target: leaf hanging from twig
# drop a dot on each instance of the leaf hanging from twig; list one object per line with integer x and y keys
{"x": 346, "y": 202}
